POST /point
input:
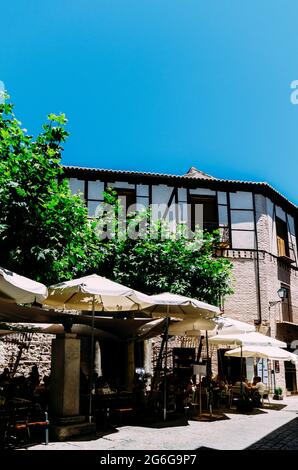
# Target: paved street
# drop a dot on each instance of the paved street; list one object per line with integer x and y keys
{"x": 266, "y": 429}
{"x": 284, "y": 438}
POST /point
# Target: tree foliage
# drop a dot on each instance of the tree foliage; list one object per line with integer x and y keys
{"x": 160, "y": 260}
{"x": 44, "y": 231}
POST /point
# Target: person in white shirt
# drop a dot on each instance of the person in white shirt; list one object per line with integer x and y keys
{"x": 258, "y": 391}
{"x": 260, "y": 387}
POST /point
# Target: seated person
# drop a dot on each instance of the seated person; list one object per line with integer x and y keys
{"x": 242, "y": 387}
{"x": 209, "y": 382}
{"x": 221, "y": 383}
{"x": 103, "y": 387}
{"x": 248, "y": 383}
{"x": 258, "y": 390}
{"x": 5, "y": 377}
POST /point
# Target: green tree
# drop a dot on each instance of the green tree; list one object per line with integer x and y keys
{"x": 45, "y": 233}
{"x": 158, "y": 260}
{"x": 44, "y": 230}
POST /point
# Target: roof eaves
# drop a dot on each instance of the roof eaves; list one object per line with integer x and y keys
{"x": 180, "y": 178}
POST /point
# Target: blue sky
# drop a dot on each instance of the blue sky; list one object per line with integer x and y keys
{"x": 161, "y": 85}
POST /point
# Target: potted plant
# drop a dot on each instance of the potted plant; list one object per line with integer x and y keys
{"x": 278, "y": 394}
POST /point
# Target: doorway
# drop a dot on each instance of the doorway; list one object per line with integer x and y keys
{"x": 230, "y": 367}
{"x": 290, "y": 373}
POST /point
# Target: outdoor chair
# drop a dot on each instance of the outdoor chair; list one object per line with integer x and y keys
{"x": 265, "y": 396}
{"x": 238, "y": 396}
{"x": 20, "y": 426}
{"x": 122, "y": 415}
{"x": 225, "y": 398}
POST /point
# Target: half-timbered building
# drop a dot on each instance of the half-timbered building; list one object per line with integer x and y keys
{"x": 258, "y": 228}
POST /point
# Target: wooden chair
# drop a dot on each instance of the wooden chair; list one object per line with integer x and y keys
{"x": 20, "y": 426}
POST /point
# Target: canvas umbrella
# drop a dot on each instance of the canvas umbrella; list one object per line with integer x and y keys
{"x": 184, "y": 327}
{"x": 247, "y": 339}
{"x": 179, "y": 306}
{"x": 19, "y": 289}
{"x": 230, "y": 326}
{"x": 190, "y": 310}
{"x": 95, "y": 293}
{"x": 263, "y": 352}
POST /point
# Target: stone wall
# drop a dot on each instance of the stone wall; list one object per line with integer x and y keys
{"x": 36, "y": 349}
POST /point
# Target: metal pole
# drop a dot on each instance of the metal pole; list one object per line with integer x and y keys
{"x": 91, "y": 361}
{"x": 262, "y": 370}
{"x": 47, "y": 428}
{"x": 241, "y": 372}
{"x": 165, "y": 371}
{"x": 209, "y": 374}
{"x": 200, "y": 395}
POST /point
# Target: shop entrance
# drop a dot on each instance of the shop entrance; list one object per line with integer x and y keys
{"x": 230, "y": 367}
{"x": 290, "y": 372}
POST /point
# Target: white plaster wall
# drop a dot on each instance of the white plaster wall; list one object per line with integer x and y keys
{"x": 95, "y": 190}
{"x": 223, "y": 215}
{"x": 202, "y": 192}
{"x": 262, "y": 222}
{"x": 243, "y": 240}
{"x": 160, "y": 196}
{"x": 242, "y": 220}
{"x": 182, "y": 195}
{"x": 182, "y": 212}
{"x": 142, "y": 190}
{"x": 280, "y": 213}
{"x": 292, "y": 238}
{"x": 272, "y": 243}
{"x": 222, "y": 197}
{"x": 121, "y": 185}
{"x": 76, "y": 186}
{"x": 142, "y": 203}
{"x": 241, "y": 200}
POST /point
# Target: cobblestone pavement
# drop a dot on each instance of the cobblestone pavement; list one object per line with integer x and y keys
{"x": 274, "y": 428}
{"x": 284, "y": 438}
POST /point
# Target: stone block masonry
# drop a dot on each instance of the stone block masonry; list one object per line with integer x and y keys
{"x": 27, "y": 351}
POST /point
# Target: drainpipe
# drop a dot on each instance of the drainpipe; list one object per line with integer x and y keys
{"x": 257, "y": 265}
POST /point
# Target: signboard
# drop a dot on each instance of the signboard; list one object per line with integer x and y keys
{"x": 200, "y": 369}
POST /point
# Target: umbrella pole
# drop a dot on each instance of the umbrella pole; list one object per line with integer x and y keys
{"x": 165, "y": 371}
{"x": 209, "y": 374}
{"x": 92, "y": 361}
{"x": 241, "y": 372}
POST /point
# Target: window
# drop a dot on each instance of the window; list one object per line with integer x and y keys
{"x": 204, "y": 212}
{"x": 286, "y": 307}
{"x": 282, "y": 238}
{"x": 94, "y": 192}
{"x": 77, "y": 186}
{"x": 127, "y": 199}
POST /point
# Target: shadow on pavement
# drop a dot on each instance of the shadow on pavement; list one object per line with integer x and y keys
{"x": 283, "y": 438}
{"x": 172, "y": 420}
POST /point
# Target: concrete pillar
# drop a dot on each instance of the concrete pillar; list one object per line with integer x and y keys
{"x": 65, "y": 376}
{"x": 130, "y": 370}
{"x": 65, "y": 421}
{"x": 148, "y": 356}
